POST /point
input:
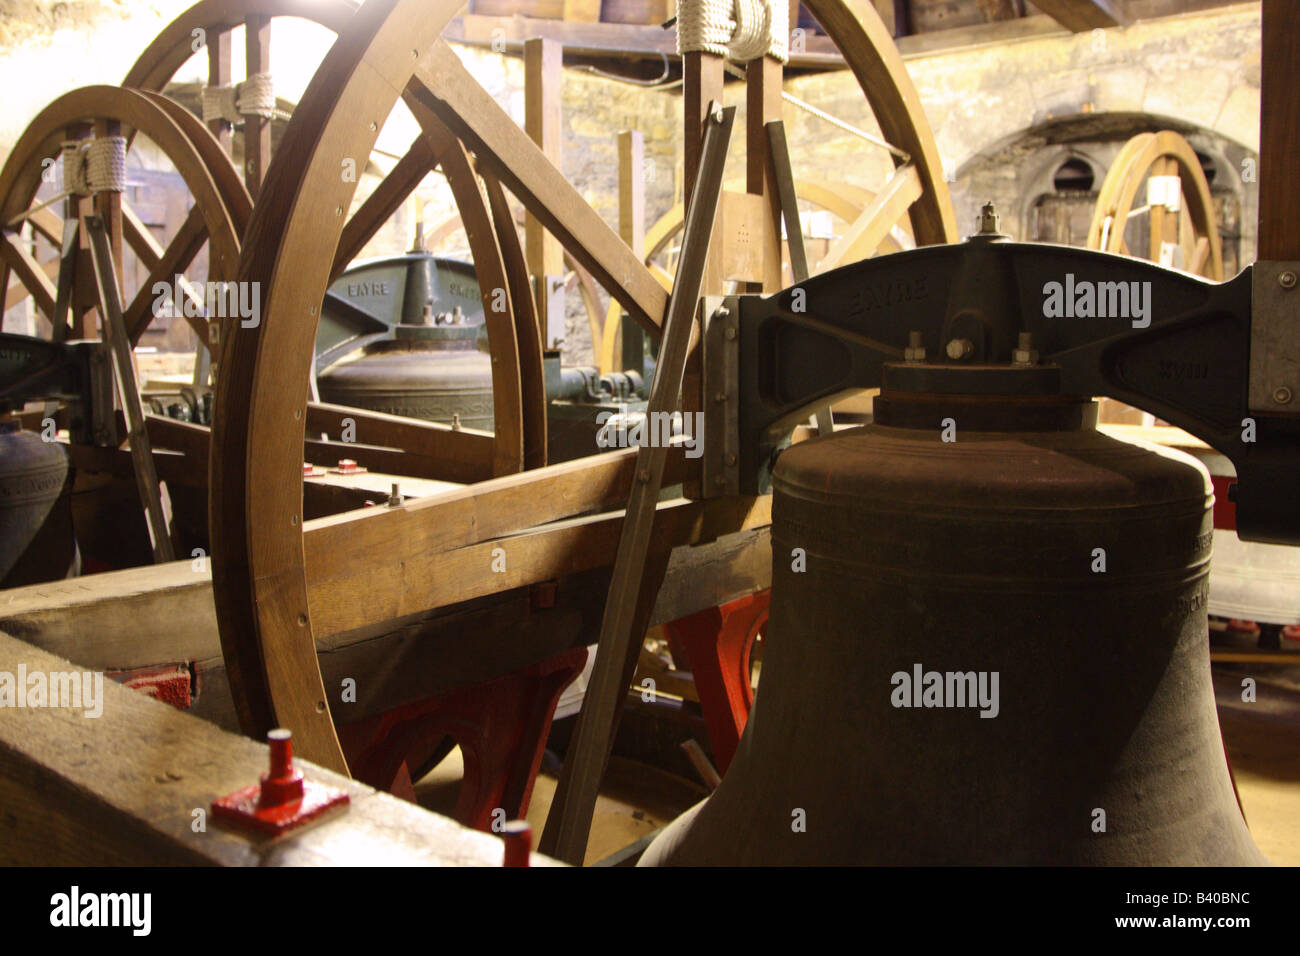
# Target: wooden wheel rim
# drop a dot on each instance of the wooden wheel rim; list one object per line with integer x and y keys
{"x": 844, "y": 200}
{"x": 1140, "y": 156}
{"x": 188, "y": 146}
{"x": 259, "y": 571}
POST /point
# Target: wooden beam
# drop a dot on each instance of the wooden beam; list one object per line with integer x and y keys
{"x": 82, "y": 791}
{"x": 1081, "y": 16}
{"x": 393, "y": 663}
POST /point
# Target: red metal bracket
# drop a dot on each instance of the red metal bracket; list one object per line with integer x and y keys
{"x": 716, "y": 645}
{"x": 501, "y": 726}
{"x": 283, "y": 800}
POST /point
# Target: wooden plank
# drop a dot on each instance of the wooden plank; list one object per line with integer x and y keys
{"x": 507, "y": 151}
{"x": 641, "y": 559}
{"x": 384, "y": 549}
{"x": 165, "y": 614}
{"x": 465, "y": 454}
{"x": 115, "y": 330}
{"x": 1083, "y": 15}
{"x": 348, "y": 599}
{"x": 257, "y": 129}
{"x": 99, "y": 791}
{"x": 1279, "y": 134}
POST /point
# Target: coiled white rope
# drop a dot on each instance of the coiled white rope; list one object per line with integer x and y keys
{"x": 740, "y": 29}
{"x": 94, "y": 166}
{"x": 253, "y": 97}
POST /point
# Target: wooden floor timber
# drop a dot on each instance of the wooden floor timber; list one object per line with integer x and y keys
{"x": 122, "y": 788}
{"x": 141, "y": 617}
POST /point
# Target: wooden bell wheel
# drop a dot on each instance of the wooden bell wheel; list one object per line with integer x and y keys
{"x": 518, "y": 388}
{"x": 883, "y": 232}
{"x": 216, "y": 220}
{"x": 1180, "y": 210}
{"x": 208, "y": 28}
{"x": 281, "y": 585}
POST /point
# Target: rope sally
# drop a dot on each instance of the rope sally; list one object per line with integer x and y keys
{"x": 253, "y": 97}
{"x": 740, "y": 29}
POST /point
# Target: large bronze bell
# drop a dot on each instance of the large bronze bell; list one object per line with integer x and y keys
{"x": 988, "y": 645}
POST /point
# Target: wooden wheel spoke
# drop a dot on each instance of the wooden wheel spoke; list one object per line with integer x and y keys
{"x": 387, "y": 197}
{"x": 140, "y": 239}
{"x": 505, "y": 149}
{"x": 175, "y": 259}
{"x": 30, "y": 272}
{"x": 873, "y": 224}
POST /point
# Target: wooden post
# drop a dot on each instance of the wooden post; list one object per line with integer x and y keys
{"x": 763, "y": 79}
{"x": 631, "y": 221}
{"x": 257, "y": 129}
{"x": 1279, "y": 135}
{"x": 543, "y": 121}
{"x": 219, "y": 75}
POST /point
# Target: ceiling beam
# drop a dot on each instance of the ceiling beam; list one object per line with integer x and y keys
{"x": 1083, "y": 15}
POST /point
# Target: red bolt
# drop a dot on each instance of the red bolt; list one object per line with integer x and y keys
{"x": 283, "y": 784}
{"x": 518, "y": 837}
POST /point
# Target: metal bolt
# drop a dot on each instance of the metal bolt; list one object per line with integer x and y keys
{"x": 719, "y": 397}
{"x": 455, "y": 422}
{"x": 1286, "y": 280}
{"x": 988, "y": 220}
{"x": 731, "y": 333}
{"x": 959, "y": 348}
{"x": 717, "y": 115}
{"x": 1024, "y": 353}
{"x": 721, "y": 312}
{"x": 1282, "y": 395}
{"x": 719, "y": 480}
{"x": 395, "y": 496}
{"x": 915, "y": 351}
{"x": 731, "y": 458}
{"x": 643, "y": 475}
